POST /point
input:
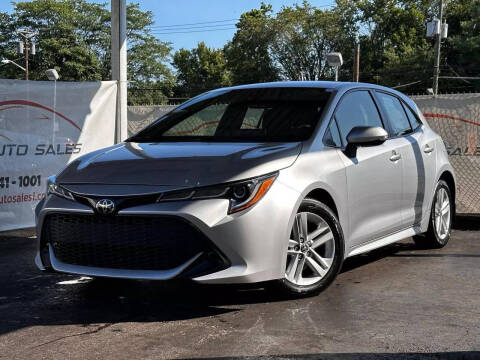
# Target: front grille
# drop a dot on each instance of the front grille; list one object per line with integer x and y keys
{"x": 123, "y": 242}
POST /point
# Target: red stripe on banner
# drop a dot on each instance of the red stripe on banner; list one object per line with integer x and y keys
{"x": 12, "y": 107}
{"x": 196, "y": 128}
{"x": 6, "y": 137}
{"x": 444, "y": 116}
{"x": 37, "y": 105}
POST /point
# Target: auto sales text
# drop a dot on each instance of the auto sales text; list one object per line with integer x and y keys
{"x": 39, "y": 149}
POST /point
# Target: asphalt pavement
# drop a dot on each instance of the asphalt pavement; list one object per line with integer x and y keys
{"x": 400, "y": 302}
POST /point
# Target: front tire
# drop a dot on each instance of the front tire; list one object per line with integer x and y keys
{"x": 440, "y": 224}
{"x": 315, "y": 251}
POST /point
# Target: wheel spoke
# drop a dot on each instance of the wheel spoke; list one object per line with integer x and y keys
{"x": 304, "y": 225}
{"x": 299, "y": 269}
{"x": 320, "y": 260}
{"x": 292, "y": 267}
{"x": 317, "y": 232}
{"x": 316, "y": 268}
{"x": 444, "y": 227}
{"x": 445, "y": 207}
{"x": 292, "y": 243}
{"x": 446, "y": 221}
{"x": 296, "y": 228}
{"x": 438, "y": 223}
{"x": 322, "y": 240}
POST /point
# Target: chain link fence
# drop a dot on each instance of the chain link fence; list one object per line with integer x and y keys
{"x": 142, "y": 115}
{"x": 456, "y": 117}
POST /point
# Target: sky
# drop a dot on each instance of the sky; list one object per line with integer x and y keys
{"x": 170, "y": 13}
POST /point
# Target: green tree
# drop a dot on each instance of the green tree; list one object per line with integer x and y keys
{"x": 65, "y": 30}
{"x": 394, "y": 49}
{"x": 305, "y": 35}
{"x": 200, "y": 69}
{"x": 460, "y": 50}
{"x": 74, "y": 37}
{"x": 247, "y": 54}
{"x": 8, "y": 48}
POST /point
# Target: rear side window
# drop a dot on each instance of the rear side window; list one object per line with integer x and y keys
{"x": 332, "y": 136}
{"x": 356, "y": 109}
{"x": 414, "y": 122}
{"x": 394, "y": 110}
{"x": 252, "y": 118}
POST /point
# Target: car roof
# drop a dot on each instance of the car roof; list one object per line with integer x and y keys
{"x": 337, "y": 85}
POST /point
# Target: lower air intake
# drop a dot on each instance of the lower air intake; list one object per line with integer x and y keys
{"x": 123, "y": 242}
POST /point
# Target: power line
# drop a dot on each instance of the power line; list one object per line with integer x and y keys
{"x": 193, "y": 31}
{"x": 194, "y": 27}
{"x": 198, "y": 23}
{"x": 175, "y": 26}
{"x": 404, "y": 85}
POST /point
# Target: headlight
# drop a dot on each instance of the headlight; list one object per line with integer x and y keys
{"x": 242, "y": 195}
{"x": 53, "y": 188}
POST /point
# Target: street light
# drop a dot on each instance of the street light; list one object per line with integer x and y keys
{"x": 335, "y": 60}
{"x": 52, "y": 74}
{"x": 6, "y": 61}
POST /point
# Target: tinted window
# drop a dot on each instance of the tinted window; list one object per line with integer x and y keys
{"x": 255, "y": 114}
{"x": 356, "y": 109}
{"x": 202, "y": 123}
{"x": 394, "y": 110}
{"x": 332, "y": 137}
{"x": 253, "y": 117}
{"x": 413, "y": 119}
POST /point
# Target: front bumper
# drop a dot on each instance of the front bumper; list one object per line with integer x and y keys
{"x": 252, "y": 243}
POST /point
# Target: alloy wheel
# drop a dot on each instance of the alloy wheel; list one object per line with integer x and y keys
{"x": 311, "y": 249}
{"x": 442, "y": 213}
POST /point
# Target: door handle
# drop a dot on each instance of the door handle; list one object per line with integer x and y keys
{"x": 427, "y": 149}
{"x": 395, "y": 156}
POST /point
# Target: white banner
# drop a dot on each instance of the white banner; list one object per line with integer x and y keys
{"x": 43, "y": 126}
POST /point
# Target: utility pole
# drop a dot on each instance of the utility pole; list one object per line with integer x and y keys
{"x": 356, "y": 64}
{"x": 438, "y": 43}
{"x": 119, "y": 65}
{"x": 24, "y": 46}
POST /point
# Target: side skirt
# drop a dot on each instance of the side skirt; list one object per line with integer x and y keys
{"x": 390, "y": 239}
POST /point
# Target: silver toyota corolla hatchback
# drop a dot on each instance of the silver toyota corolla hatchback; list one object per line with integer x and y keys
{"x": 274, "y": 182}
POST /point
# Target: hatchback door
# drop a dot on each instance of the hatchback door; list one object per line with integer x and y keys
{"x": 374, "y": 175}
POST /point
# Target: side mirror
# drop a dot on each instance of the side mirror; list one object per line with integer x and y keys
{"x": 364, "y": 136}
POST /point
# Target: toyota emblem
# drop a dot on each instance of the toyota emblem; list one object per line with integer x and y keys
{"x": 105, "y": 206}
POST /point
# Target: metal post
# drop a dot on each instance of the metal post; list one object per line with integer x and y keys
{"x": 438, "y": 42}
{"x": 336, "y": 73}
{"x": 119, "y": 65}
{"x": 54, "y": 109}
{"x": 26, "y": 58}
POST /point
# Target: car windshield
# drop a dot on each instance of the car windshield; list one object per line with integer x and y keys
{"x": 266, "y": 114}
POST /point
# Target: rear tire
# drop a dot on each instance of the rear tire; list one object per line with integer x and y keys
{"x": 440, "y": 223}
{"x": 315, "y": 252}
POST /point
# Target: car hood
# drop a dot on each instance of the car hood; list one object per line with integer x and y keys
{"x": 166, "y": 166}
